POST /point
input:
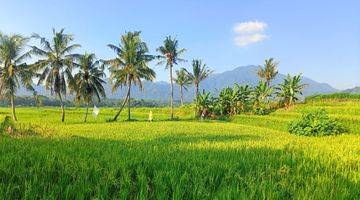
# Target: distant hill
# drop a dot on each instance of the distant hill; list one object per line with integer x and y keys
{"x": 248, "y": 75}
{"x": 355, "y": 90}
{"x": 241, "y": 75}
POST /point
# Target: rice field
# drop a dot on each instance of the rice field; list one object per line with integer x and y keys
{"x": 248, "y": 157}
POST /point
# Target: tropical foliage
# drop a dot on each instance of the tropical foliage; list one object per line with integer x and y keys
{"x": 55, "y": 64}
{"x": 89, "y": 80}
{"x": 316, "y": 123}
{"x": 261, "y": 95}
{"x": 170, "y": 55}
{"x": 130, "y": 65}
{"x": 14, "y": 72}
{"x": 290, "y": 90}
{"x": 183, "y": 80}
{"x": 57, "y": 61}
{"x": 199, "y": 72}
{"x": 257, "y": 100}
{"x": 236, "y": 100}
{"x": 204, "y": 103}
{"x": 269, "y": 71}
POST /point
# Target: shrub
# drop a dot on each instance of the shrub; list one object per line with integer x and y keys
{"x": 317, "y": 123}
{"x": 8, "y": 127}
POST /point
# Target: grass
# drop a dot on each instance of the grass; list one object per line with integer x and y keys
{"x": 341, "y": 96}
{"x": 250, "y": 157}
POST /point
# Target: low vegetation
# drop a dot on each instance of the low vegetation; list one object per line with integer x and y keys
{"x": 334, "y": 96}
{"x": 316, "y": 123}
{"x": 251, "y": 156}
{"x": 259, "y": 100}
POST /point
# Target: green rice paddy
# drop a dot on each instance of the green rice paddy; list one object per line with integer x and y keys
{"x": 247, "y": 157}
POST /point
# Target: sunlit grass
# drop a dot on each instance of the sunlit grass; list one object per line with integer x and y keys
{"x": 250, "y": 157}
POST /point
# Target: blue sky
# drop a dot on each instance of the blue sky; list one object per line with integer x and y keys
{"x": 320, "y": 39}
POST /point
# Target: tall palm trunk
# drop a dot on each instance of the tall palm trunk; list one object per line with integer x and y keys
{"x": 12, "y": 99}
{"x": 196, "y": 91}
{"x": 181, "y": 95}
{"x": 197, "y": 114}
{"x": 129, "y": 98}
{"x": 123, "y": 104}
{"x": 171, "y": 93}
{"x": 87, "y": 111}
{"x": 62, "y": 108}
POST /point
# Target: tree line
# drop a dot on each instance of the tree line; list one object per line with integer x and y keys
{"x": 62, "y": 71}
{"x": 260, "y": 99}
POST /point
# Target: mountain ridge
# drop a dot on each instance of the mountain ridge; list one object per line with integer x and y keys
{"x": 160, "y": 90}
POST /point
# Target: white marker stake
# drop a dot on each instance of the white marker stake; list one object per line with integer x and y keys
{"x": 96, "y": 111}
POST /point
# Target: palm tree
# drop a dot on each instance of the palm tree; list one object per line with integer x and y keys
{"x": 56, "y": 64}
{"x": 130, "y": 66}
{"x": 171, "y": 56}
{"x": 290, "y": 90}
{"x": 183, "y": 80}
{"x": 89, "y": 80}
{"x": 13, "y": 69}
{"x": 268, "y": 71}
{"x": 200, "y": 72}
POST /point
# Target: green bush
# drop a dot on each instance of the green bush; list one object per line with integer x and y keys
{"x": 317, "y": 123}
{"x": 6, "y": 125}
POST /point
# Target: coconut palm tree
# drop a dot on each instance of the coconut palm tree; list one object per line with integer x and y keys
{"x": 183, "y": 80}
{"x": 89, "y": 80}
{"x": 170, "y": 54}
{"x": 269, "y": 71}
{"x": 199, "y": 73}
{"x": 290, "y": 90}
{"x": 130, "y": 65}
{"x": 13, "y": 69}
{"x": 55, "y": 64}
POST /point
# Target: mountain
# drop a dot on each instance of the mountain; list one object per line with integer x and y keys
{"x": 355, "y": 90}
{"x": 248, "y": 75}
{"x": 214, "y": 83}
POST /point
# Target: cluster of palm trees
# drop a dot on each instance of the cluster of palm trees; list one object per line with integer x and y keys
{"x": 185, "y": 77}
{"x": 256, "y": 100}
{"x": 289, "y": 91}
{"x": 57, "y": 62}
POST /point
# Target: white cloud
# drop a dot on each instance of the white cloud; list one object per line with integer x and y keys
{"x": 249, "y": 32}
{"x": 244, "y": 40}
{"x": 250, "y": 27}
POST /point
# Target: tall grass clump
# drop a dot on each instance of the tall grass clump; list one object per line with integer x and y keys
{"x": 6, "y": 124}
{"x": 316, "y": 123}
{"x": 9, "y": 127}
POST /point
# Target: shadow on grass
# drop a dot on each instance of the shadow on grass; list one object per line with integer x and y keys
{"x": 86, "y": 168}
{"x": 170, "y": 120}
{"x": 195, "y": 138}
